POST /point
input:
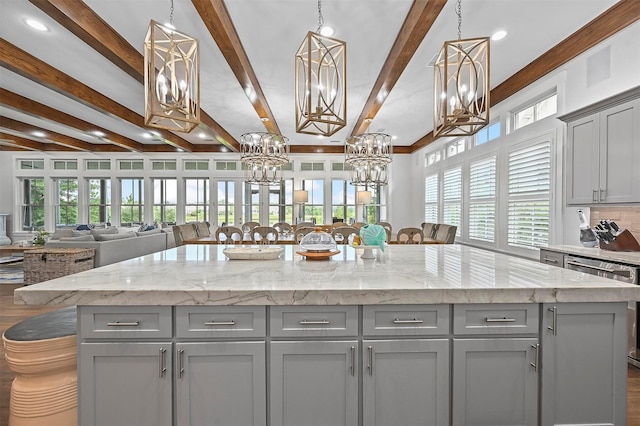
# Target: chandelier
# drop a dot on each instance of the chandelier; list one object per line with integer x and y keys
{"x": 171, "y": 78}
{"x": 369, "y": 154}
{"x": 321, "y": 85}
{"x": 461, "y": 85}
{"x": 263, "y": 155}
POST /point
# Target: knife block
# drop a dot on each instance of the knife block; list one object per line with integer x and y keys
{"x": 623, "y": 242}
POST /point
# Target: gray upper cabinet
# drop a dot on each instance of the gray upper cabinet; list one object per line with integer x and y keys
{"x": 584, "y": 364}
{"x": 603, "y": 151}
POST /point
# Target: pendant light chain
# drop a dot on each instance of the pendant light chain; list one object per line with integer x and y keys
{"x": 320, "y": 18}
{"x": 171, "y": 14}
{"x": 459, "y": 13}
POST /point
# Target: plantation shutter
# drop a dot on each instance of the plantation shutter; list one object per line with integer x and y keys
{"x": 452, "y": 197}
{"x": 482, "y": 200}
{"x": 431, "y": 199}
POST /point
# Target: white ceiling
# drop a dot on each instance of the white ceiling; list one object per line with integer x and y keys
{"x": 271, "y": 32}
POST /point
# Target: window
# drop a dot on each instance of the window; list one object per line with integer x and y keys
{"x": 539, "y": 110}
{"x": 307, "y": 167}
{"x": 65, "y": 165}
{"x": 163, "y": 165}
{"x": 98, "y": 165}
{"x": 66, "y": 202}
{"x": 434, "y": 157}
{"x": 32, "y": 164}
{"x": 343, "y": 201}
{"x": 226, "y": 165}
{"x": 482, "y": 200}
{"x": 452, "y": 197}
{"x": 340, "y": 167}
{"x": 196, "y": 165}
{"x": 165, "y": 200}
{"x": 374, "y": 210}
{"x": 99, "y": 200}
{"x": 281, "y": 202}
{"x": 455, "y": 148}
{"x": 314, "y": 209}
{"x": 32, "y": 204}
{"x": 226, "y": 202}
{"x": 131, "y": 165}
{"x": 132, "y": 201}
{"x": 431, "y": 199}
{"x": 251, "y": 202}
{"x": 529, "y": 196}
{"x": 196, "y": 207}
{"x": 488, "y": 133}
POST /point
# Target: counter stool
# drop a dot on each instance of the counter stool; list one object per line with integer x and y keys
{"x": 42, "y": 352}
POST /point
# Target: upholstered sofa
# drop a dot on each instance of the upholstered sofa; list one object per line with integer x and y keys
{"x": 115, "y": 247}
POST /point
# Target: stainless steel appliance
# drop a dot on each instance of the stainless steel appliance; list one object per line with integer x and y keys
{"x": 620, "y": 272}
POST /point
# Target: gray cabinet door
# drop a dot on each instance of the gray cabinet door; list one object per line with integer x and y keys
{"x": 584, "y": 374}
{"x": 314, "y": 383}
{"x": 405, "y": 382}
{"x": 494, "y": 381}
{"x": 583, "y": 163}
{"x": 620, "y": 153}
{"x": 124, "y": 384}
{"x": 221, "y": 383}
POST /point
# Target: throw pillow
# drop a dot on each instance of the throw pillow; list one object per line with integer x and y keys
{"x": 149, "y": 232}
{"x": 85, "y": 227}
{"x": 96, "y": 232}
{"x": 61, "y": 233}
{"x": 110, "y": 237}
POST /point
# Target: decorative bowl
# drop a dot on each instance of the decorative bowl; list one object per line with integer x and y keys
{"x": 253, "y": 253}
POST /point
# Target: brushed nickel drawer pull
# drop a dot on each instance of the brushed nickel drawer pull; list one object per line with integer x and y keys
{"x": 123, "y": 324}
{"x": 318, "y": 322}
{"x": 163, "y": 362}
{"x": 534, "y": 364}
{"x": 370, "y": 364}
{"x": 180, "y": 363}
{"x": 503, "y": 319}
{"x": 231, "y": 322}
{"x": 410, "y": 321}
{"x": 353, "y": 361}
{"x": 550, "y": 260}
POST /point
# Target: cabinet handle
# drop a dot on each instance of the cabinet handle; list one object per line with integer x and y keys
{"x": 312, "y": 322}
{"x": 554, "y": 321}
{"x": 550, "y": 260}
{"x": 163, "y": 362}
{"x": 534, "y": 364}
{"x": 123, "y": 324}
{"x": 602, "y": 195}
{"x": 231, "y": 322}
{"x": 180, "y": 363}
{"x": 353, "y": 360}
{"x": 594, "y": 196}
{"x": 370, "y": 362}
{"x": 503, "y": 319}
{"x": 409, "y": 321}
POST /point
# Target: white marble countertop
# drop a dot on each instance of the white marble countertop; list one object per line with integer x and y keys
{"x": 628, "y": 257}
{"x": 403, "y": 274}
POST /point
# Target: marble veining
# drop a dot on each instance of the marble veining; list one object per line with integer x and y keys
{"x": 202, "y": 275}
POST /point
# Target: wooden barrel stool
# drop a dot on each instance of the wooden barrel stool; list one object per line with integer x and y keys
{"x": 42, "y": 352}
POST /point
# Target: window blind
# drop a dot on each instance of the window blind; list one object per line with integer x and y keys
{"x": 452, "y": 197}
{"x": 431, "y": 199}
{"x": 482, "y": 200}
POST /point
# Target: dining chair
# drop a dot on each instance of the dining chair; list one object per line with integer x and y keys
{"x": 446, "y": 233}
{"x": 341, "y": 234}
{"x": 301, "y": 232}
{"x": 186, "y": 231}
{"x": 429, "y": 229}
{"x": 387, "y": 227}
{"x": 202, "y": 229}
{"x": 335, "y": 225}
{"x": 264, "y": 235}
{"x": 358, "y": 225}
{"x": 410, "y": 235}
{"x": 247, "y": 227}
{"x": 305, "y": 225}
{"x": 232, "y": 235}
{"x": 283, "y": 227}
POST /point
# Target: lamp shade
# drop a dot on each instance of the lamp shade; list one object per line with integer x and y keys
{"x": 363, "y": 197}
{"x": 300, "y": 196}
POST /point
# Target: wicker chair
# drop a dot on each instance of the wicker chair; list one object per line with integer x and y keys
{"x": 264, "y": 235}
{"x": 283, "y": 227}
{"x": 341, "y": 234}
{"x": 229, "y": 232}
{"x": 202, "y": 229}
{"x": 410, "y": 236}
{"x": 247, "y": 227}
{"x": 429, "y": 229}
{"x": 301, "y": 232}
{"x": 446, "y": 233}
{"x": 183, "y": 232}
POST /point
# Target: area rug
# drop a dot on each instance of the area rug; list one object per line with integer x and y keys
{"x": 11, "y": 274}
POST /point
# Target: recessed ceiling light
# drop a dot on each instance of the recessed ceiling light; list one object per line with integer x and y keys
{"x": 499, "y": 35}
{"x": 98, "y": 134}
{"x": 326, "y": 31}
{"x": 147, "y": 135}
{"x": 39, "y": 134}
{"x": 264, "y": 119}
{"x": 202, "y": 135}
{"x": 36, "y": 25}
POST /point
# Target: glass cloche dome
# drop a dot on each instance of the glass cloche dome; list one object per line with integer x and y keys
{"x": 318, "y": 241}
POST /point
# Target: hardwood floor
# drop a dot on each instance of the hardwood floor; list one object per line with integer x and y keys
{"x": 11, "y": 314}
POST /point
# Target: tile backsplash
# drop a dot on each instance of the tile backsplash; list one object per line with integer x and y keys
{"x": 624, "y": 217}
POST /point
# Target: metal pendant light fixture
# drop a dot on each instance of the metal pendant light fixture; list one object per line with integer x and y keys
{"x": 263, "y": 155}
{"x": 369, "y": 155}
{"x": 171, "y": 78}
{"x": 321, "y": 86}
{"x": 461, "y": 85}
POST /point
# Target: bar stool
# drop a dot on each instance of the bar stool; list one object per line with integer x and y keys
{"x": 42, "y": 352}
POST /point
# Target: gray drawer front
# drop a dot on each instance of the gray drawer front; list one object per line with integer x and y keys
{"x": 495, "y": 319}
{"x": 309, "y": 321}
{"x": 125, "y": 322}
{"x": 220, "y": 321}
{"x": 405, "y": 320}
{"x": 552, "y": 258}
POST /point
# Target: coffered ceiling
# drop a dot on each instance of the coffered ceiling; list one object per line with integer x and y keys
{"x": 85, "y": 74}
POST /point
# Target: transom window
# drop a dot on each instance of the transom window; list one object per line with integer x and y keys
{"x": 455, "y": 148}
{"x": 539, "y": 110}
{"x": 488, "y": 133}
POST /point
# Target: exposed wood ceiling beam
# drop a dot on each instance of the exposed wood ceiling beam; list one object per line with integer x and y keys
{"x": 56, "y": 138}
{"x": 85, "y": 24}
{"x": 615, "y": 19}
{"x": 27, "y": 144}
{"x": 419, "y": 20}
{"x": 36, "y": 109}
{"x": 216, "y": 18}
{"x": 28, "y": 66}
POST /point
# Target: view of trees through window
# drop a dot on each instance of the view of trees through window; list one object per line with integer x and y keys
{"x": 32, "y": 204}
{"x": 99, "y": 200}
{"x": 67, "y": 202}
{"x": 132, "y": 201}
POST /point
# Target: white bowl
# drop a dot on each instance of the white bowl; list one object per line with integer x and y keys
{"x": 253, "y": 253}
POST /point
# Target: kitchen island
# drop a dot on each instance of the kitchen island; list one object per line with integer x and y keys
{"x": 435, "y": 334}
